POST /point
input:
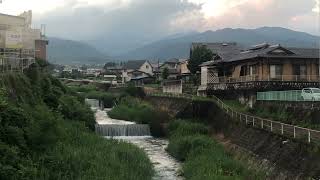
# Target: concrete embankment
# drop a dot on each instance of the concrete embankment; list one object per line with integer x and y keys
{"x": 280, "y": 157}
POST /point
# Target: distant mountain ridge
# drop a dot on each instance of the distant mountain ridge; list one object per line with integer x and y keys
{"x": 179, "y": 47}
{"x": 174, "y": 46}
{"x": 61, "y": 51}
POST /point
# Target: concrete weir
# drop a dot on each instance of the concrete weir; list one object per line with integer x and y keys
{"x": 123, "y": 130}
{"x": 165, "y": 166}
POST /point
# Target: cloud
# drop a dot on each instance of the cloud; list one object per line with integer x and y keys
{"x": 119, "y": 25}
{"x": 256, "y": 13}
{"x": 126, "y": 24}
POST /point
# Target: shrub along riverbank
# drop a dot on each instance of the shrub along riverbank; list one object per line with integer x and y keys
{"x": 46, "y": 132}
{"x": 134, "y": 109}
{"x": 203, "y": 157}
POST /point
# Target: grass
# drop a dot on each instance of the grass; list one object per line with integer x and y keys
{"x": 132, "y": 109}
{"x": 203, "y": 157}
{"x": 139, "y": 111}
{"x": 275, "y": 113}
{"x": 46, "y": 132}
{"x": 83, "y": 155}
{"x": 236, "y": 105}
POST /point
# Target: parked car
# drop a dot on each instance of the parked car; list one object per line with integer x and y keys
{"x": 310, "y": 94}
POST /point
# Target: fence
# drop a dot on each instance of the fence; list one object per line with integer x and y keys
{"x": 291, "y": 131}
{"x": 284, "y": 78}
{"x": 280, "y": 96}
{"x": 294, "y": 95}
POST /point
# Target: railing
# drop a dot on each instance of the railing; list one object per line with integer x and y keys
{"x": 291, "y": 131}
{"x": 284, "y": 78}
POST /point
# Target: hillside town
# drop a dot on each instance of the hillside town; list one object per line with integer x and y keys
{"x": 224, "y": 109}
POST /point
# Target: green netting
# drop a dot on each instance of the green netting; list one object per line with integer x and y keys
{"x": 294, "y": 95}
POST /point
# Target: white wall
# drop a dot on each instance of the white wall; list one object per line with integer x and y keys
{"x": 175, "y": 88}
{"x": 147, "y": 68}
{"x": 204, "y": 75}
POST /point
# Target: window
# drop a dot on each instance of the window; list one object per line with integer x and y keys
{"x": 316, "y": 91}
{"x": 275, "y": 71}
{"x": 253, "y": 70}
{"x": 147, "y": 67}
{"x": 300, "y": 70}
{"x": 244, "y": 71}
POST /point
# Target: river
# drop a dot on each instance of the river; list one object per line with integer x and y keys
{"x": 165, "y": 166}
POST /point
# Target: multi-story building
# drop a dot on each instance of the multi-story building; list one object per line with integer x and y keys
{"x": 20, "y": 44}
{"x": 262, "y": 67}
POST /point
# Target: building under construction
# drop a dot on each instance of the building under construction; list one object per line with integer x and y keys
{"x": 20, "y": 44}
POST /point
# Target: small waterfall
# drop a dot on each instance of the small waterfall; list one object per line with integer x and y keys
{"x": 123, "y": 130}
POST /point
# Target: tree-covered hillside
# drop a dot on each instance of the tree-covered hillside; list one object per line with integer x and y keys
{"x": 46, "y": 132}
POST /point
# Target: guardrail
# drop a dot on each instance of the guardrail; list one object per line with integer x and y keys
{"x": 291, "y": 131}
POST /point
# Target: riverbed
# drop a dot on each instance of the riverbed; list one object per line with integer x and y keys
{"x": 165, "y": 166}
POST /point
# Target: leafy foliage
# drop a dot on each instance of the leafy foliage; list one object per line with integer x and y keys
{"x": 200, "y": 54}
{"x": 134, "y": 109}
{"x": 46, "y": 133}
{"x": 165, "y": 73}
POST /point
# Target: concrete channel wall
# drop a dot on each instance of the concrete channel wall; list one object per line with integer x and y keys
{"x": 287, "y": 158}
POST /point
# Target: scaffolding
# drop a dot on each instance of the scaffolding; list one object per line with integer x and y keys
{"x": 16, "y": 60}
{"x": 20, "y": 53}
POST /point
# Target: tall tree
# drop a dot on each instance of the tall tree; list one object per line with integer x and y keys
{"x": 165, "y": 73}
{"x": 199, "y": 55}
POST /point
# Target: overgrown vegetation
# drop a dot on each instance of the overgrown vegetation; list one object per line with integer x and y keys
{"x": 276, "y": 113}
{"x": 136, "y": 110}
{"x": 46, "y": 133}
{"x": 203, "y": 157}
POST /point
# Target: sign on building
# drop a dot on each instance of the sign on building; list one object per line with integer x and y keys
{"x": 14, "y": 39}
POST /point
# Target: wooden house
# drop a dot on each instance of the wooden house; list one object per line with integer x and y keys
{"x": 261, "y": 67}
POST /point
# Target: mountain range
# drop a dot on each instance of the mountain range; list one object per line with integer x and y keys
{"x": 178, "y": 46}
{"x": 61, "y": 51}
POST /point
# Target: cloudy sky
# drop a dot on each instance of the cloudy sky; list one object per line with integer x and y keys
{"x": 146, "y": 20}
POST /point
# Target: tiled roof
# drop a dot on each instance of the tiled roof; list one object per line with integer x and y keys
{"x": 266, "y": 50}
{"x": 136, "y": 64}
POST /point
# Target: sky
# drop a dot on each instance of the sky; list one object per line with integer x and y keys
{"x": 139, "y": 21}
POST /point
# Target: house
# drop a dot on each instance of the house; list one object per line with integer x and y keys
{"x": 173, "y": 66}
{"x": 136, "y": 69}
{"x": 19, "y": 43}
{"x": 262, "y": 67}
{"x": 184, "y": 70}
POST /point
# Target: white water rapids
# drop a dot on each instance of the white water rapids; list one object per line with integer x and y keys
{"x": 165, "y": 166}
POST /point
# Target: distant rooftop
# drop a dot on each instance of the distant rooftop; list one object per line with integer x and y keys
{"x": 135, "y": 64}
{"x": 225, "y": 50}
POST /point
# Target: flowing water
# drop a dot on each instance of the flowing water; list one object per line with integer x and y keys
{"x": 165, "y": 166}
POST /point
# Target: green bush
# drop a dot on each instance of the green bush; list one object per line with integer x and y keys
{"x": 185, "y": 128}
{"x": 213, "y": 163}
{"x": 72, "y": 109}
{"x": 108, "y": 99}
{"x": 180, "y": 146}
{"x": 134, "y": 91}
{"x": 44, "y": 135}
{"x": 133, "y": 109}
{"x": 203, "y": 157}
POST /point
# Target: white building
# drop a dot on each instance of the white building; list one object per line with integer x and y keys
{"x": 19, "y": 43}
{"x": 136, "y": 69}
